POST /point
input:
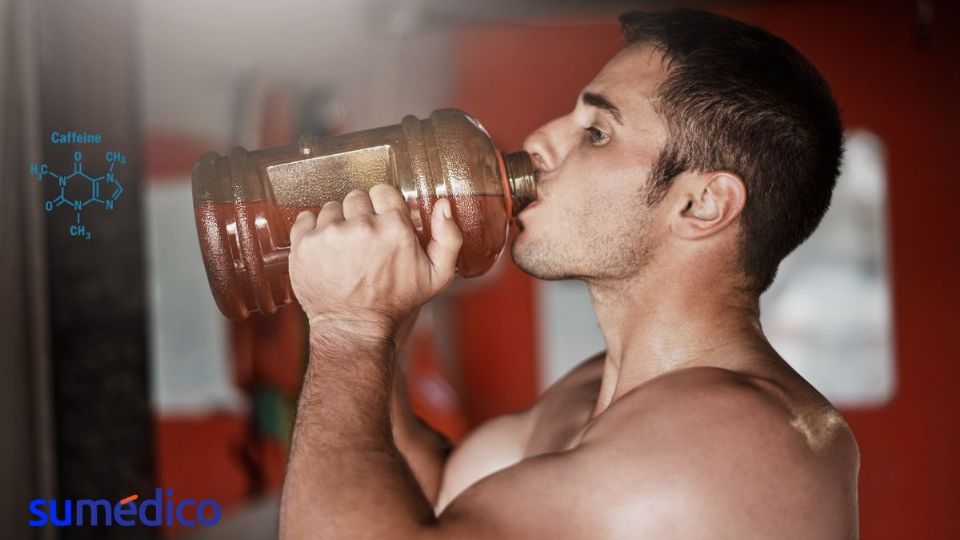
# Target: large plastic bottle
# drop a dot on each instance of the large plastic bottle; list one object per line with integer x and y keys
{"x": 245, "y": 203}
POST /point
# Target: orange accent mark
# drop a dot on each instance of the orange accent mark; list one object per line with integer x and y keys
{"x": 130, "y": 498}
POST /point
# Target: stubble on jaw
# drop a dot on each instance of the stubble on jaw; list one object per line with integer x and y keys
{"x": 619, "y": 252}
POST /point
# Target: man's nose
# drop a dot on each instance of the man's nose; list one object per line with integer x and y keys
{"x": 535, "y": 145}
{"x": 546, "y": 146}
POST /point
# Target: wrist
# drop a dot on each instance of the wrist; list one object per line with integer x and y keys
{"x": 353, "y": 353}
{"x": 362, "y": 329}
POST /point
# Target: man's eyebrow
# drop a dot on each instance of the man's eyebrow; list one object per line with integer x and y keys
{"x": 600, "y": 102}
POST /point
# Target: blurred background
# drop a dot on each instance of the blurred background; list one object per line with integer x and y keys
{"x": 120, "y": 375}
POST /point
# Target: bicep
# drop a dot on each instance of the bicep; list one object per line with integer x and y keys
{"x": 495, "y": 445}
{"x": 539, "y": 497}
{"x": 580, "y": 493}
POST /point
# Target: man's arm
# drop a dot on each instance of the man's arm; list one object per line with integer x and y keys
{"x": 346, "y": 478}
{"x": 425, "y": 449}
{"x": 503, "y": 441}
{"x": 344, "y": 466}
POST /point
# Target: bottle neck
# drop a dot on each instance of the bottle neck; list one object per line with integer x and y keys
{"x": 521, "y": 179}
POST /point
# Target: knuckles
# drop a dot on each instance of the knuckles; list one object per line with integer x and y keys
{"x": 384, "y": 191}
{"x": 399, "y": 233}
{"x": 396, "y": 215}
{"x": 382, "y": 232}
{"x": 362, "y": 223}
{"x": 356, "y": 193}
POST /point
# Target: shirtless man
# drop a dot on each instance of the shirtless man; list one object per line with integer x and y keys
{"x": 699, "y": 156}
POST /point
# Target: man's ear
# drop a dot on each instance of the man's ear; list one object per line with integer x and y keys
{"x": 708, "y": 202}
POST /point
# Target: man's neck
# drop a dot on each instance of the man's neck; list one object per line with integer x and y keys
{"x": 654, "y": 325}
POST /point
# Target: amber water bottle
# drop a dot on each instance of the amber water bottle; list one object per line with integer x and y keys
{"x": 245, "y": 203}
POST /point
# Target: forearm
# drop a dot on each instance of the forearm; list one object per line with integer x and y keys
{"x": 345, "y": 477}
{"x": 425, "y": 449}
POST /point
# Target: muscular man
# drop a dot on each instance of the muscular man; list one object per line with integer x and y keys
{"x": 699, "y": 157}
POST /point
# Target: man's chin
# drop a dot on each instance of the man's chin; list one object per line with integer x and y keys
{"x": 521, "y": 254}
{"x": 533, "y": 260}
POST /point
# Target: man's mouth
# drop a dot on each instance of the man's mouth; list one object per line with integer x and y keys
{"x": 523, "y": 213}
{"x": 518, "y": 218}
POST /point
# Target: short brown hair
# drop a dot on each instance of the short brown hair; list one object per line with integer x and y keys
{"x": 741, "y": 99}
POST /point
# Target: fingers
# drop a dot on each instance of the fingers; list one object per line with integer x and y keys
{"x": 331, "y": 212}
{"x": 386, "y": 198}
{"x": 444, "y": 245}
{"x": 305, "y": 221}
{"x": 357, "y": 204}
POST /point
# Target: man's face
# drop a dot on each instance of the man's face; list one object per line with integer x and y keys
{"x": 591, "y": 219}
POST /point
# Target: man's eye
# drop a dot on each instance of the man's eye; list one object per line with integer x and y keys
{"x": 597, "y": 137}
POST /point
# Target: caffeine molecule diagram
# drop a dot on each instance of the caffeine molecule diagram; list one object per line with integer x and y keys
{"x": 78, "y": 189}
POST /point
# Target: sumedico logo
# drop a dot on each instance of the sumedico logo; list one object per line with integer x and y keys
{"x": 162, "y": 509}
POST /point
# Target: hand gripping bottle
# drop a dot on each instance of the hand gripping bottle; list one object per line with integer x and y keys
{"x": 245, "y": 203}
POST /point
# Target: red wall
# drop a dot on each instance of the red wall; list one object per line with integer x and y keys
{"x": 514, "y": 78}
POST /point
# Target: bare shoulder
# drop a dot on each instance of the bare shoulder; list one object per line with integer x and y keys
{"x": 758, "y": 412}
{"x": 747, "y": 455}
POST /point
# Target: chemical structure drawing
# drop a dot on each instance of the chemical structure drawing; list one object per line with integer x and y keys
{"x": 78, "y": 189}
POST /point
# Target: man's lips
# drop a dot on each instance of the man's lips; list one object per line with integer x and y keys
{"x": 518, "y": 219}
{"x": 529, "y": 206}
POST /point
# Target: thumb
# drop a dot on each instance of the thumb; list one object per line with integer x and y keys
{"x": 444, "y": 245}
